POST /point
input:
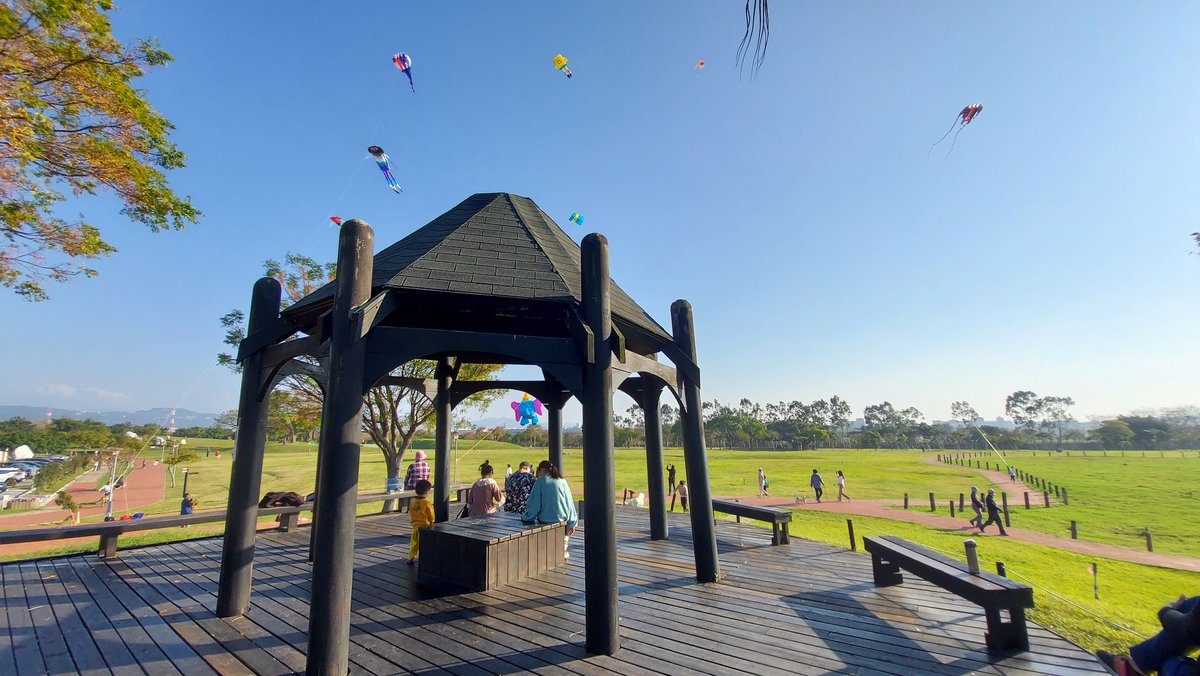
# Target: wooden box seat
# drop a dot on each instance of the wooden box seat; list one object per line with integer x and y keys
{"x": 485, "y": 552}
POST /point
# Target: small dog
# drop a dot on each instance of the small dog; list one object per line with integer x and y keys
{"x": 800, "y": 499}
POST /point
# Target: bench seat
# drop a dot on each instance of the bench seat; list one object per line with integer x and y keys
{"x": 485, "y": 552}
{"x": 778, "y": 518}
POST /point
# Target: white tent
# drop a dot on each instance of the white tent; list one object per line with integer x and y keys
{"x": 22, "y": 453}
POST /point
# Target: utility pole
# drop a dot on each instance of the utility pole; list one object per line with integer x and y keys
{"x": 112, "y": 481}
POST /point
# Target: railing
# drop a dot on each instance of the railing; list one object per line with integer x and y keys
{"x": 110, "y": 531}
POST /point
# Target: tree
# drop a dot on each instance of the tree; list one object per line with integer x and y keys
{"x": 72, "y": 120}
{"x": 290, "y": 415}
{"x": 176, "y": 457}
{"x": 1022, "y": 407}
{"x": 1037, "y": 413}
{"x": 66, "y": 501}
{"x": 964, "y": 413}
{"x": 1113, "y": 434}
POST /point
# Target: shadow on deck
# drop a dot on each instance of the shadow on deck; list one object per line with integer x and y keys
{"x": 802, "y": 608}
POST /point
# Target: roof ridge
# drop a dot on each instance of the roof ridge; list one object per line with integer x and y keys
{"x": 571, "y": 280}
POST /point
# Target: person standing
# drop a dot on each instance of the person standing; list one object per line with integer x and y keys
{"x": 977, "y": 507}
{"x": 1012, "y": 474}
{"x": 841, "y": 484}
{"x": 507, "y": 472}
{"x": 670, "y": 478}
{"x": 485, "y": 495}
{"x": 993, "y": 511}
{"x": 420, "y": 511}
{"x": 763, "y": 483}
{"x": 517, "y": 487}
{"x": 186, "y": 506}
{"x": 418, "y": 470}
{"x": 818, "y": 485}
{"x": 551, "y": 501}
{"x": 683, "y": 493}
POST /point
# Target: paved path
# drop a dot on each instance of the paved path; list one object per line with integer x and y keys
{"x": 142, "y": 487}
{"x": 887, "y": 509}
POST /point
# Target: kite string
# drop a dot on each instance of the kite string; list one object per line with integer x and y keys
{"x": 955, "y": 140}
{"x": 943, "y": 138}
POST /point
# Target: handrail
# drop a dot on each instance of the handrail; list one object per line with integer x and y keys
{"x": 109, "y": 531}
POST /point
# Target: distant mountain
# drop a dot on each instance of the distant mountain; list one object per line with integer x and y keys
{"x": 159, "y": 416}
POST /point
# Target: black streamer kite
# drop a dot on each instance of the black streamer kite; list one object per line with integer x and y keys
{"x": 758, "y": 32}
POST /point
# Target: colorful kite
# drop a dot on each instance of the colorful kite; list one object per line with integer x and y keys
{"x": 700, "y": 65}
{"x": 385, "y": 165}
{"x": 336, "y": 220}
{"x": 964, "y": 118}
{"x": 527, "y": 410}
{"x": 560, "y": 62}
{"x": 404, "y": 63}
{"x": 576, "y": 218}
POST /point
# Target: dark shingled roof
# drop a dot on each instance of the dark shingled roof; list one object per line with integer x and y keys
{"x": 492, "y": 245}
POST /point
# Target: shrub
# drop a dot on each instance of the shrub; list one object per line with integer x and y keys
{"x": 55, "y": 475}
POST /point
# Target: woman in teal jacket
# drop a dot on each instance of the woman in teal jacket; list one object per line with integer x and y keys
{"x": 550, "y": 501}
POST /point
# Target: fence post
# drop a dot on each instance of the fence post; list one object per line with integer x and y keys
{"x": 1149, "y": 541}
{"x": 1001, "y": 570}
{"x": 1046, "y": 497}
{"x": 951, "y": 509}
{"x": 1064, "y": 497}
{"x": 932, "y": 506}
{"x": 1026, "y": 499}
{"x": 960, "y": 502}
{"x": 850, "y": 527}
{"x": 1057, "y": 491}
{"x": 1004, "y": 500}
{"x": 906, "y": 500}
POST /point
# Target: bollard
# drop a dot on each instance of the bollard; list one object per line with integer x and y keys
{"x": 1026, "y": 499}
{"x": 906, "y": 500}
{"x": 1149, "y": 541}
{"x": 1004, "y": 500}
{"x": 939, "y": 457}
{"x": 1064, "y": 497}
{"x": 738, "y": 518}
{"x": 1046, "y": 497}
{"x": 672, "y": 501}
{"x": 1058, "y": 491}
{"x": 850, "y": 527}
{"x": 972, "y": 557}
{"x": 932, "y": 506}
{"x": 1001, "y": 570}
{"x": 1074, "y": 531}
{"x": 989, "y": 466}
{"x": 960, "y": 502}
{"x": 951, "y": 509}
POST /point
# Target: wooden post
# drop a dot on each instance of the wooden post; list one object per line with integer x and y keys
{"x": 341, "y": 439}
{"x": 1149, "y": 541}
{"x": 1004, "y": 503}
{"x": 960, "y": 502}
{"x": 1057, "y": 491}
{"x": 245, "y": 479}
{"x": 1074, "y": 530}
{"x": 554, "y": 432}
{"x": 951, "y": 509}
{"x": 443, "y": 437}
{"x": 932, "y": 505}
{"x": 1064, "y": 497}
{"x": 1026, "y": 499}
{"x": 654, "y": 462}
{"x": 600, "y": 536}
{"x": 906, "y": 500}
{"x": 850, "y": 527}
{"x": 1046, "y": 498}
{"x": 1000, "y": 569}
{"x": 704, "y": 534}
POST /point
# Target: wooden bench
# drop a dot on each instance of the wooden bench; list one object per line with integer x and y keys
{"x": 889, "y": 554}
{"x": 779, "y": 518}
{"x": 479, "y": 553}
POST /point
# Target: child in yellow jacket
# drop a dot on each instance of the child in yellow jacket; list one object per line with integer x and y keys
{"x": 420, "y": 510}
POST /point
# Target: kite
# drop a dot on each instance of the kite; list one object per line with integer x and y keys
{"x": 758, "y": 29}
{"x": 404, "y": 63}
{"x": 336, "y": 220}
{"x": 527, "y": 410}
{"x": 385, "y": 165}
{"x": 560, "y": 62}
{"x": 700, "y": 65}
{"x": 576, "y": 218}
{"x": 964, "y": 118}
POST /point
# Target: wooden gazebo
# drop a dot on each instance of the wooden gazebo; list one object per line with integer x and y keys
{"x": 494, "y": 280}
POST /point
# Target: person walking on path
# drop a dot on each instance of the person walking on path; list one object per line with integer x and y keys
{"x": 420, "y": 511}
{"x": 1012, "y": 474}
{"x": 485, "y": 495}
{"x": 841, "y": 484}
{"x": 977, "y": 507}
{"x": 418, "y": 470}
{"x": 763, "y": 483}
{"x": 1165, "y": 652}
{"x": 993, "y": 513}
{"x": 517, "y": 487}
{"x": 670, "y": 478}
{"x": 682, "y": 489}
{"x": 551, "y": 501}
{"x": 817, "y": 484}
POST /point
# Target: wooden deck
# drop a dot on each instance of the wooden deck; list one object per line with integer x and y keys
{"x": 803, "y": 608}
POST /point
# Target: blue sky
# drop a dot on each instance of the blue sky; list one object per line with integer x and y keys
{"x": 825, "y": 252}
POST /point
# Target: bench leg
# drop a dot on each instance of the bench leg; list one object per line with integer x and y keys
{"x": 108, "y": 546}
{"x": 886, "y": 574}
{"x": 774, "y": 534}
{"x": 787, "y": 540}
{"x": 288, "y": 522}
{"x": 1011, "y": 635}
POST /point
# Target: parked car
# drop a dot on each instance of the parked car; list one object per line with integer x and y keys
{"x": 9, "y": 476}
{"x": 30, "y": 468}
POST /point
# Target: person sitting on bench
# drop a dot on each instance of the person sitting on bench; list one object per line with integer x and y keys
{"x": 1165, "y": 652}
{"x": 551, "y": 501}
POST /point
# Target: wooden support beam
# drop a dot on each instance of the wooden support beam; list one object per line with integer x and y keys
{"x": 267, "y": 333}
{"x": 704, "y": 534}
{"x": 654, "y": 462}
